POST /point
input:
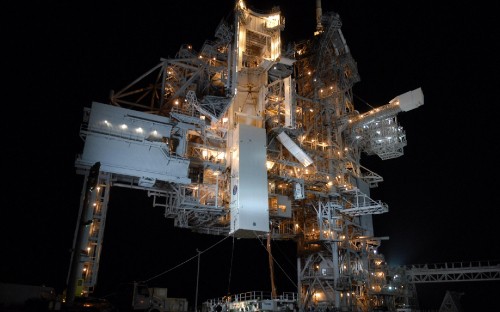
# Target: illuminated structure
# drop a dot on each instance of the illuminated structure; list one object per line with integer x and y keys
{"x": 244, "y": 138}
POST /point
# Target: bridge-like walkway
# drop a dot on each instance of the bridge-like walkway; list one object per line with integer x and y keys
{"x": 454, "y": 272}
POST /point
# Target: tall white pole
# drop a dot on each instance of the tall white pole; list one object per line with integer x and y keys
{"x": 197, "y": 279}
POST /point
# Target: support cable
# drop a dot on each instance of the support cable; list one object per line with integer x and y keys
{"x": 186, "y": 261}
{"x": 363, "y": 101}
{"x": 230, "y": 269}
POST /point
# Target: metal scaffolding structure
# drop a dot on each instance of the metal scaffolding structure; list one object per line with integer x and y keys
{"x": 244, "y": 138}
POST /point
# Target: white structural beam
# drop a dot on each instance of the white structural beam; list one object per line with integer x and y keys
{"x": 454, "y": 272}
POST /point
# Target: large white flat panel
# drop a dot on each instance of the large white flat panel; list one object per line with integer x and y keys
{"x": 249, "y": 197}
{"x": 131, "y": 143}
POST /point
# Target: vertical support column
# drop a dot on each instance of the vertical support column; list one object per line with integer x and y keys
{"x": 299, "y": 286}
{"x": 89, "y": 234}
{"x": 84, "y": 214}
{"x": 336, "y": 271}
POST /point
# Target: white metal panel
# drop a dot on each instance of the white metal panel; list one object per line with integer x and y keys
{"x": 131, "y": 143}
{"x": 124, "y": 122}
{"x": 283, "y": 208}
{"x": 135, "y": 159}
{"x": 293, "y": 148}
{"x": 410, "y": 100}
{"x": 249, "y": 197}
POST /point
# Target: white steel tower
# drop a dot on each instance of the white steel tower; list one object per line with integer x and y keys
{"x": 247, "y": 139}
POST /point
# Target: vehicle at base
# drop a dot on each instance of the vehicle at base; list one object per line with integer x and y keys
{"x": 16, "y": 297}
{"x": 140, "y": 297}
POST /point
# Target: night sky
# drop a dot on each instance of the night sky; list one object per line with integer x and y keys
{"x": 61, "y": 56}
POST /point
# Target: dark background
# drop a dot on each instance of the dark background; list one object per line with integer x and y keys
{"x": 61, "y": 56}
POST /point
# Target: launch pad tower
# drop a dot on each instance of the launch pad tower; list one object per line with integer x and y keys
{"x": 246, "y": 138}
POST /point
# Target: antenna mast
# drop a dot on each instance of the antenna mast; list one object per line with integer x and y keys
{"x": 319, "y": 13}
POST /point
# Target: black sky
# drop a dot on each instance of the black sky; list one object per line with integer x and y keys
{"x": 61, "y": 56}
